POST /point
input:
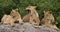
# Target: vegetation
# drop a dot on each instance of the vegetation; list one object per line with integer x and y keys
{"x": 54, "y": 5}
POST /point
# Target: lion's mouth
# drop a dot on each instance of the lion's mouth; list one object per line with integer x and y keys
{"x": 29, "y": 11}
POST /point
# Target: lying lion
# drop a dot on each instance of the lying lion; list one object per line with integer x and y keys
{"x": 7, "y": 19}
{"x": 49, "y": 20}
{"x": 16, "y": 16}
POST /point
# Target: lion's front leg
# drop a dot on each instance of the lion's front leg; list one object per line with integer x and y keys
{"x": 32, "y": 22}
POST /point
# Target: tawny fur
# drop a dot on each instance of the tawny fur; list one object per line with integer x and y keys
{"x": 32, "y": 15}
{"x": 49, "y": 20}
{"x": 15, "y": 14}
{"x": 7, "y": 19}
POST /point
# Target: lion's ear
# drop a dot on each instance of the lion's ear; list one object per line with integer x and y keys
{"x": 35, "y": 6}
{"x": 15, "y": 9}
{"x": 50, "y": 12}
{"x": 44, "y": 11}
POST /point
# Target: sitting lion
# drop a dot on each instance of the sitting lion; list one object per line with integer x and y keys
{"x": 17, "y": 17}
{"x": 7, "y": 19}
{"x": 32, "y": 15}
{"x": 49, "y": 20}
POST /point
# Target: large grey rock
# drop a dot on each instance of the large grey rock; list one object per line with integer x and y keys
{"x": 26, "y": 27}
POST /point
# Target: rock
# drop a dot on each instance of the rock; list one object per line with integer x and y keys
{"x": 26, "y": 27}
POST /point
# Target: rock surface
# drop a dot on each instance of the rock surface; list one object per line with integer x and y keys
{"x": 26, "y": 27}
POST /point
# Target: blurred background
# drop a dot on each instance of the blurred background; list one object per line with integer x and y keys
{"x": 53, "y": 5}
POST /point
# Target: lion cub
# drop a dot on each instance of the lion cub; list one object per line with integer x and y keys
{"x": 16, "y": 16}
{"x": 32, "y": 15}
{"x": 49, "y": 20}
{"x": 7, "y": 19}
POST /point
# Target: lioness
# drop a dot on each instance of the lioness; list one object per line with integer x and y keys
{"x": 49, "y": 20}
{"x": 32, "y": 15}
{"x": 15, "y": 14}
{"x": 7, "y": 19}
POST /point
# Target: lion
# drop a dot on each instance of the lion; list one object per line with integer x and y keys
{"x": 49, "y": 20}
{"x": 32, "y": 15}
{"x": 7, "y": 19}
{"x": 17, "y": 17}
